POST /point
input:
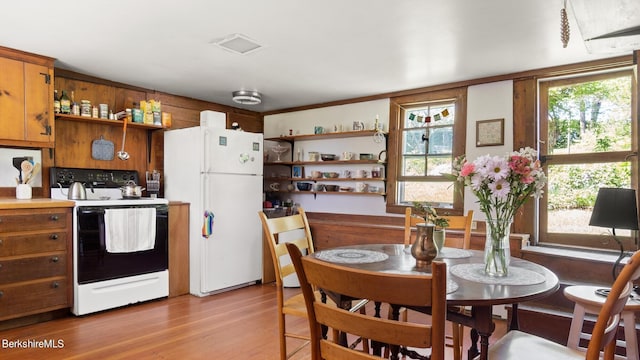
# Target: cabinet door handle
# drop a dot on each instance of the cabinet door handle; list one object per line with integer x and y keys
{"x": 1, "y": 293}
{"x": 55, "y": 284}
{"x": 55, "y": 259}
{"x": 52, "y": 237}
{"x": 54, "y": 218}
{"x": 1, "y": 242}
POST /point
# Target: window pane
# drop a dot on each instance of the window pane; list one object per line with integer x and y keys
{"x": 441, "y": 140}
{"x": 572, "y": 193}
{"x": 590, "y": 117}
{"x": 436, "y": 192}
{"x": 436, "y": 166}
{"x": 413, "y": 166}
{"x": 413, "y": 143}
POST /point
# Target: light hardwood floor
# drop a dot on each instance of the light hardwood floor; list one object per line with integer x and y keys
{"x": 239, "y": 324}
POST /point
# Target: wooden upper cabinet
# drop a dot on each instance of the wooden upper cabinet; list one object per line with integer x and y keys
{"x": 12, "y": 125}
{"x": 38, "y": 103}
{"x": 26, "y": 92}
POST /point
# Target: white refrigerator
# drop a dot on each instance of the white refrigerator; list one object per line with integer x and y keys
{"x": 219, "y": 172}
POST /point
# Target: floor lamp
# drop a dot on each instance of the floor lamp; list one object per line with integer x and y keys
{"x": 615, "y": 208}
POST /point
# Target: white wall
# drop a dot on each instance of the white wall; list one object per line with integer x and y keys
{"x": 8, "y": 173}
{"x": 484, "y": 102}
{"x": 303, "y": 122}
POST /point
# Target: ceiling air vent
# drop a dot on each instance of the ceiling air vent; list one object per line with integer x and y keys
{"x": 238, "y": 43}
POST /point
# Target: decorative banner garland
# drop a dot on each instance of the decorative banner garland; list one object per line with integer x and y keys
{"x": 427, "y": 119}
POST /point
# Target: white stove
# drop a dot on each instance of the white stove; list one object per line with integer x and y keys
{"x": 104, "y": 278}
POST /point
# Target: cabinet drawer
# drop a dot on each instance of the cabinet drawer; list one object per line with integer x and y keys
{"x": 33, "y": 297}
{"x": 33, "y": 220}
{"x": 32, "y": 268}
{"x": 12, "y": 245}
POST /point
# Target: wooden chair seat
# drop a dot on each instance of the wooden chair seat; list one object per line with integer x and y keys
{"x": 295, "y": 304}
{"x": 522, "y": 346}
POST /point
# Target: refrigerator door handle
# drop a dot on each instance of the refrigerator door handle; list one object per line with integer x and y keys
{"x": 206, "y": 163}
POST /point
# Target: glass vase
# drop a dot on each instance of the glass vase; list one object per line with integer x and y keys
{"x": 424, "y": 249}
{"x": 497, "y": 254}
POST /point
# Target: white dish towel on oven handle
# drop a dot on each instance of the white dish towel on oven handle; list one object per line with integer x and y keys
{"x": 130, "y": 229}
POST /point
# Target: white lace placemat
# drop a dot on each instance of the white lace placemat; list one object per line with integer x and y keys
{"x": 351, "y": 256}
{"x": 453, "y": 253}
{"x": 451, "y": 285}
{"x": 516, "y": 276}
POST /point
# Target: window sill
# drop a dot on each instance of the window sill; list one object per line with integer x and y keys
{"x": 593, "y": 255}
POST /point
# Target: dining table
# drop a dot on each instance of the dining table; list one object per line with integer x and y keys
{"x": 467, "y": 284}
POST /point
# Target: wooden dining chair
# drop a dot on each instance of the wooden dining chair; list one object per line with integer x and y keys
{"x": 407, "y": 290}
{"x": 459, "y": 222}
{"x": 523, "y": 346}
{"x": 293, "y": 305}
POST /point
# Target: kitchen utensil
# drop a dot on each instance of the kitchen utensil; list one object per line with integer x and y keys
{"x": 102, "y": 149}
{"x": 26, "y": 166}
{"x": 364, "y": 156}
{"x": 131, "y": 190}
{"x": 77, "y": 191}
{"x": 36, "y": 169}
{"x": 303, "y": 186}
{"x": 17, "y": 162}
{"x": 123, "y": 155}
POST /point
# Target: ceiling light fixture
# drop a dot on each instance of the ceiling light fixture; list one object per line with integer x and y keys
{"x": 247, "y": 97}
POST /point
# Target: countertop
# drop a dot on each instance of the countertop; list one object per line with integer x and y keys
{"x": 13, "y": 203}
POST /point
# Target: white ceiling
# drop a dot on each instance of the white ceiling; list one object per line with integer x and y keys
{"x": 314, "y": 51}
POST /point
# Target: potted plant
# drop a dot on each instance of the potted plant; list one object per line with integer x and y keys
{"x": 430, "y": 216}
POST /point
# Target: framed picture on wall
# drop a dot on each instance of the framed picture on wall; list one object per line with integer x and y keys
{"x": 490, "y": 132}
{"x": 297, "y": 171}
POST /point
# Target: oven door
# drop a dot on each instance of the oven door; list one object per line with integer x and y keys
{"x": 93, "y": 261}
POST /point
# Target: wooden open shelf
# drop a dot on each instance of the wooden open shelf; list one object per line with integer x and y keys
{"x": 335, "y": 135}
{"x": 106, "y": 121}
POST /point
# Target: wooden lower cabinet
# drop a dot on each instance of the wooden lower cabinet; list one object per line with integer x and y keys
{"x": 35, "y": 261}
{"x": 178, "y": 248}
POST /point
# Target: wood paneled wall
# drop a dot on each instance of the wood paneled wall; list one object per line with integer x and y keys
{"x": 146, "y": 147}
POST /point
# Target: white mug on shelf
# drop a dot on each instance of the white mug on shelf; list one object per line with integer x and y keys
{"x": 361, "y": 173}
{"x": 361, "y": 187}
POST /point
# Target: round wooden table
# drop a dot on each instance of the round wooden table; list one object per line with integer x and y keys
{"x": 479, "y": 294}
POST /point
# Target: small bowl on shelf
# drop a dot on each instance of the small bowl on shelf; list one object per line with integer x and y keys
{"x": 328, "y": 157}
{"x": 366, "y": 156}
{"x": 303, "y": 186}
{"x": 346, "y": 188}
{"x": 331, "y": 188}
{"x": 316, "y": 174}
{"x": 331, "y": 175}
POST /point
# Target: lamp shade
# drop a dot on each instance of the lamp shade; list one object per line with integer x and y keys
{"x": 615, "y": 208}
